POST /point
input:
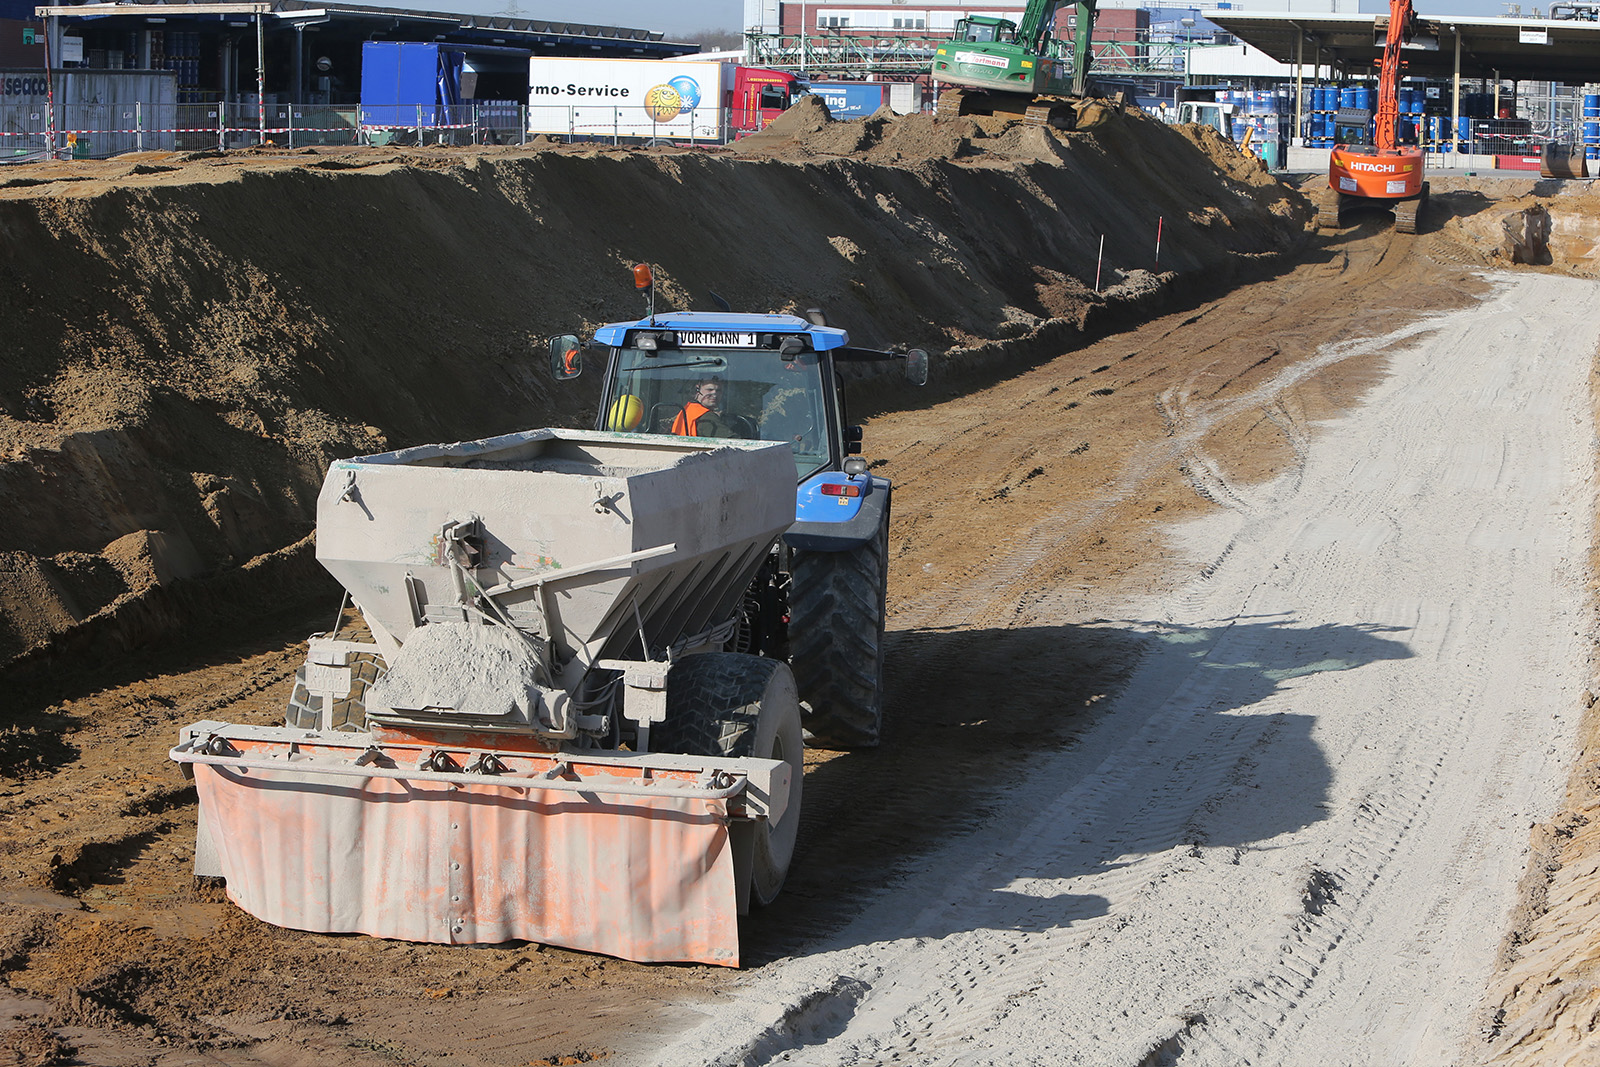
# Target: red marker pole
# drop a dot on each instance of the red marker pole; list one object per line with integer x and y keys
{"x": 1098, "y": 260}
{"x": 1159, "y": 220}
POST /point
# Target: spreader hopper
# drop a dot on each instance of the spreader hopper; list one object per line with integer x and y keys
{"x": 546, "y": 737}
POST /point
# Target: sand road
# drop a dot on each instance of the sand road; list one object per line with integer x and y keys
{"x": 1295, "y": 836}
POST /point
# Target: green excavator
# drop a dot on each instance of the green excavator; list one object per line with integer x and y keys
{"x": 994, "y": 64}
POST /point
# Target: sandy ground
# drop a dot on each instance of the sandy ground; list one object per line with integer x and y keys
{"x": 1312, "y": 797}
{"x": 1091, "y": 647}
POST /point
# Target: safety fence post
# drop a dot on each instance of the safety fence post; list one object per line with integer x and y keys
{"x": 525, "y": 116}
{"x": 419, "y": 124}
{"x": 222, "y": 126}
{"x": 138, "y": 126}
{"x": 616, "y": 125}
{"x": 288, "y": 121}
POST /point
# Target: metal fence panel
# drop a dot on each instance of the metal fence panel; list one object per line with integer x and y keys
{"x": 23, "y": 133}
{"x": 100, "y": 130}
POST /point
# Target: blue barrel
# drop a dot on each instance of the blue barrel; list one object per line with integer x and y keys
{"x": 1591, "y": 106}
{"x": 1464, "y": 133}
{"x": 1591, "y": 131}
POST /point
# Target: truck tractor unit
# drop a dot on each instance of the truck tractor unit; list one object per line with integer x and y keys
{"x": 993, "y": 64}
{"x": 547, "y": 719}
{"x": 818, "y": 601}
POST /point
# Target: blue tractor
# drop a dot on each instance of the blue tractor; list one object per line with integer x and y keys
{"x": 818, "y": 601}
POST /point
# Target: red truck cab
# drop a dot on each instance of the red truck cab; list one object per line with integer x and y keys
{"x": 757, "y": 95}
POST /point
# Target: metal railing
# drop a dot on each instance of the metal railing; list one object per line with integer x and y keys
{"x": 33, "y": 132}
{"x": 863, "y": 51}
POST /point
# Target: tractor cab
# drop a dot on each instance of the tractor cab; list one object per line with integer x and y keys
{"x": 743, "y": 376}
{"x": 713, "y": 375}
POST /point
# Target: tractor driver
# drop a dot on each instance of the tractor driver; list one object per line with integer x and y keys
{"x": 702, "y": 415}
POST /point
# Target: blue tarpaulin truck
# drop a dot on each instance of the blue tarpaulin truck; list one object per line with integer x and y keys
{"x": 857, "y": 100}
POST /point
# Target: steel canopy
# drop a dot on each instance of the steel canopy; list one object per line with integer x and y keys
{"x": 1514, "y": 48}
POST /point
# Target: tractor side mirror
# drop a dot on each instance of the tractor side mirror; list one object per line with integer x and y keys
{"x": 917, "y": 367}
{"x": 852, "y": 440}
{"x": 566, "y": 357}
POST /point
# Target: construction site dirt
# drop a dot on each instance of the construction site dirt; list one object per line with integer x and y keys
{"x": 1241, "y": 604}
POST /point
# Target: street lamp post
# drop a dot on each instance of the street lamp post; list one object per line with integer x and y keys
{"x": 1188, "y": 46}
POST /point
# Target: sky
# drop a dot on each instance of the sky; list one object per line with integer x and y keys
{"x": 668, "y": 16}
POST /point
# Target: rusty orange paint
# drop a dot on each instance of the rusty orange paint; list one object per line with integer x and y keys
{"x": 641, "y": 878}
{"x": 387, "y": 735}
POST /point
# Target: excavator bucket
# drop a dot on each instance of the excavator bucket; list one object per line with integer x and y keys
{"x": 1097, "y": 111}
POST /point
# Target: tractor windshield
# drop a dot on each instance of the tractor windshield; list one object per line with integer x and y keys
{"x": 757, "y": 396}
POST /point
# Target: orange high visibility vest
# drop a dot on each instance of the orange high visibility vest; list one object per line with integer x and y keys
{"x": 688, "y": 419}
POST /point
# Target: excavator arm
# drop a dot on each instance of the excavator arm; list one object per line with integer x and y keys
{"x": 1401, "y": 17}
{"x": 1036, "y": 22}
{"x": 1081, "y": 53}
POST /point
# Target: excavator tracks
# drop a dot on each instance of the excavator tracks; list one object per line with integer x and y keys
{"x": 951, "y": 104}
{"x": 1407, "y": 213}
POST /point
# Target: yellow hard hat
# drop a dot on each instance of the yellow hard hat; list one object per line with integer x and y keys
{"x": 626, "y": 413}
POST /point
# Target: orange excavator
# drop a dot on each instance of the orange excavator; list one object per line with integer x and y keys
{"x": 1384, "y": 173}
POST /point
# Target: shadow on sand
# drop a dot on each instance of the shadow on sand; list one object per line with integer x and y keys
{"x": 977, "y": 717}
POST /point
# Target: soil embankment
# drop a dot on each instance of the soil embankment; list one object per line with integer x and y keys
{"x": 191, "y": 340}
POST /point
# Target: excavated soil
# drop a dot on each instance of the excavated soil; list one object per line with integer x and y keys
{"x": 192, "y": 339}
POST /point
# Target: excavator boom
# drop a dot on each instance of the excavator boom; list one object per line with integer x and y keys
{"x": 1401, "y": 16}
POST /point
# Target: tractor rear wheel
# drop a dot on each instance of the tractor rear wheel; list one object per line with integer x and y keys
{"x": 726, "y": 704}
{"x": 836, "y": 614}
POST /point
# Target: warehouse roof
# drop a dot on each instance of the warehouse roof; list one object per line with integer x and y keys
{"x": 1564, "y": 50}
{"x": 378, "y": 22}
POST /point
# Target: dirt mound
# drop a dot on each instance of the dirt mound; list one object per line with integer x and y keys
{"x": 195, "y": 336}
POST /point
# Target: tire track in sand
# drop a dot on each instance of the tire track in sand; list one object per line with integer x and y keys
{"x": 1310, "y": 801}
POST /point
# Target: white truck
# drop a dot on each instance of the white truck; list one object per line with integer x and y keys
{"x": 649, "y": 99}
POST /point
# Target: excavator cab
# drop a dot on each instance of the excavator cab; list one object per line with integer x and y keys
{"x": 979, "y": 29}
